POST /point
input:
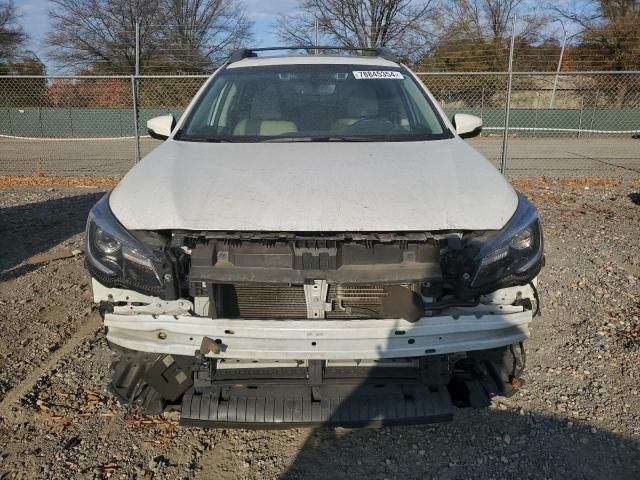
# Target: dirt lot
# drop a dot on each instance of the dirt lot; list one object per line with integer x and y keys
{"x": 577, "y": 417}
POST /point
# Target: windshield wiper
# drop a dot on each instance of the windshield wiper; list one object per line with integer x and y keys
{"x": 205, "y": 139}
{"x": 319, "y": 139}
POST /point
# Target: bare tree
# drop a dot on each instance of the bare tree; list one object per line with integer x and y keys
{"x": 202, "y": 32}
{"x": 490, "y": 20}
{"x": 100, "y": 35}
{"x": 608, "y": 36}
{"x": 592, "y": 13}
{"x": 11, "y": 34}
{"x": 403, "y": 25}
{"x": 187, "y": 35}
{"x": 475, "y": 35}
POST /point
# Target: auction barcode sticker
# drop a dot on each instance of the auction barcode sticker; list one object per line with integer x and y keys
{"x": 378, "y": 74}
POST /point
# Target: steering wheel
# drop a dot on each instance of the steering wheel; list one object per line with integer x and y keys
{"x": 380, "y": 125}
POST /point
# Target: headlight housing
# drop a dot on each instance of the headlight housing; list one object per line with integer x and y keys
{"x": 118, "y": 259}
{"x": 511, "y": 256}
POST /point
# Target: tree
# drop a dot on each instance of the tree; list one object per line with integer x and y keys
{"x": 477, "y": 32}
{"x": 15, "y": 60}
{"x": 608, "y": 39}
{"x": 11, "y": 35}
{"x": 403, "y": 25}
{"x": 22, "y": 92}
{"x": 175, "y": 35}
{"x": 610, "y": 34}
{"x": 476, "y": 37}
{"x": 202, "y": 32}
{"x": 94, "y": 93}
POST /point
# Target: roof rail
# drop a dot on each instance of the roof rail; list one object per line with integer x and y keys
{"x": 382, "y": 52}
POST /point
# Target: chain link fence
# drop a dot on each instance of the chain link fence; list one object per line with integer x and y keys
{"x": 560, "y": 125}
{"x": 571, "y": 124}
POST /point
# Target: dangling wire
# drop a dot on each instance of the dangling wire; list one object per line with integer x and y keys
{"x": 536, "y": 297}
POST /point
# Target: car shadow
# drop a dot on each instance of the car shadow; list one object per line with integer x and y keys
{"x": 32, "y": 228}
{"x": 503, "y": 440}
{"x": 478, "y": 443}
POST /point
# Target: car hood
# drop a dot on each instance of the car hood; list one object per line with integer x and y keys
{"x": 312, "y": 187}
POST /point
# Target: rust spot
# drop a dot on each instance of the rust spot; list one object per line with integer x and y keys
{"x": 517, "y": 382}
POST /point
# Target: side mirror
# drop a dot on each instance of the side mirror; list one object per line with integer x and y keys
{"x": 160, "y": 127}
{"x": 467, "y": 126}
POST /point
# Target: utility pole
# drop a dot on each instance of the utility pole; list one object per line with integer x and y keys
{"x": 507, "y": 107}
{"x": 555, "y": 80}
{"x": 316, "y": 36}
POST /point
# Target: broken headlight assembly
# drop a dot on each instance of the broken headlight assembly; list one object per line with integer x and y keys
{"x": 504, "y": 258}
{"x": 116, "y": 258}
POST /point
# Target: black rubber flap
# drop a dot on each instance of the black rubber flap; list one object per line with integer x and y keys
{"x": 267, "y": 406}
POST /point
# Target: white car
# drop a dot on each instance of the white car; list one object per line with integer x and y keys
{"x": 314, "y": 242}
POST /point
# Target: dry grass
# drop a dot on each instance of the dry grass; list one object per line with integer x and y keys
{"x": 41, "y": 180}
{"x": 51, "y": 181}
{"x": 566, "y": 182}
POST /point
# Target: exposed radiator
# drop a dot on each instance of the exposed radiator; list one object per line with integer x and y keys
{"x": 288, "y": 301}
{"x": 355, "y": 301}
{"x": 265, "y": 301}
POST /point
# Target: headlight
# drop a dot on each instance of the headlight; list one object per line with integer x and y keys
{"x": 116, "y": 258}
{"x": 511, "y": 256}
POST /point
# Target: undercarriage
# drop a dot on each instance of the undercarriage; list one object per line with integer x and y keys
{"x": 210, "y": 392}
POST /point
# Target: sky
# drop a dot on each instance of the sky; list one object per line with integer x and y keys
{"x": 35, "y": 21}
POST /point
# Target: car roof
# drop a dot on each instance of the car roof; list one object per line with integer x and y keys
{"x": 313, "y": 60}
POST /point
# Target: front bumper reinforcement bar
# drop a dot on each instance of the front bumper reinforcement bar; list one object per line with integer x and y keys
{"x": 318, "y": 339}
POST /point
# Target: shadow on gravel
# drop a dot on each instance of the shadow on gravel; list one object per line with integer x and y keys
{"x": 635, "y": 198}
{"x": 492, "y": 442}
{"x": 26, "y": 230}
{"x": 477, "y": 444}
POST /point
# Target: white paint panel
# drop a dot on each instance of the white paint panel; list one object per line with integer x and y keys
{"x": 337, "y": 186}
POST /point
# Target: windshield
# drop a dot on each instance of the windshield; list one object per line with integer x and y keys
{"x": 287, "y": 103}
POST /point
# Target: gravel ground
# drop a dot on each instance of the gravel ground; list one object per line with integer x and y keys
{"x": 578, "y": 416}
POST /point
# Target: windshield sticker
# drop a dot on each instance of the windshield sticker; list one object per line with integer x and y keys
{"x": 378, "y": 74}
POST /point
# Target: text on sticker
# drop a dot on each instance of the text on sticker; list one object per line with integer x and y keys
{"x": 377, "y": 74}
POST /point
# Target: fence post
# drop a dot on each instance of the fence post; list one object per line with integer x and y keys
{"x": 137, "y": 48}
{"x": 535, "y": 117}
{"x": 134, "y": 98}
{"x": 593, "y": 111}
{"x": 507, "y": 107}
{"x": 581, "y": 114}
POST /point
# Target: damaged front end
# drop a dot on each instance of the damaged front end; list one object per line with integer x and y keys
{"x": 342, "y": 328}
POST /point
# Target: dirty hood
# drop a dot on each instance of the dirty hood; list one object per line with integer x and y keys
{"x": 337, "y": 186}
